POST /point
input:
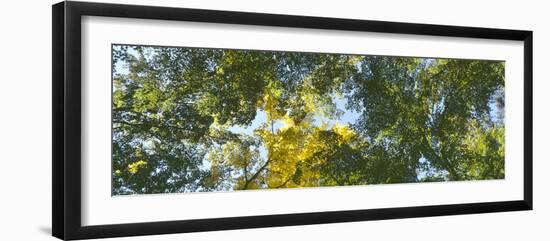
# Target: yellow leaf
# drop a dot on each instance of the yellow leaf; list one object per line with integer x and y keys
{"x": 134, "y": 167}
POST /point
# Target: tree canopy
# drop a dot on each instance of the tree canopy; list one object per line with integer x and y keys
{"x": 196, "y": 119}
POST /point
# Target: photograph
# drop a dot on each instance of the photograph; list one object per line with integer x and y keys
{"x": 174, "y": 118}
{"x": 274, "y": 120}
{"x": 191, "y": 119}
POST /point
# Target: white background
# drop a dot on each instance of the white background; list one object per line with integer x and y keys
{"x": 25, "y": 122}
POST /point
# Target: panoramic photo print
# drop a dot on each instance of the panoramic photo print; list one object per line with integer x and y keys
{"x": 210, "y": 120}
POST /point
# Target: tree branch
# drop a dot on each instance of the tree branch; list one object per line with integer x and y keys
{"x": 256, "y": 174}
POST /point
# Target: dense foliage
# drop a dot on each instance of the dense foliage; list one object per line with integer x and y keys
{"x": 192, "y": 119}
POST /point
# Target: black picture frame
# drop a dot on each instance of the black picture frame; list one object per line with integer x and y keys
{"x": 66, "y": 127}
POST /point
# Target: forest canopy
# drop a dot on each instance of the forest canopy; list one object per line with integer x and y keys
{"x": 201, "y": 120}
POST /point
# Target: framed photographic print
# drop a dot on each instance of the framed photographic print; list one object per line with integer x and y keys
{"x": 170, "y": 120}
